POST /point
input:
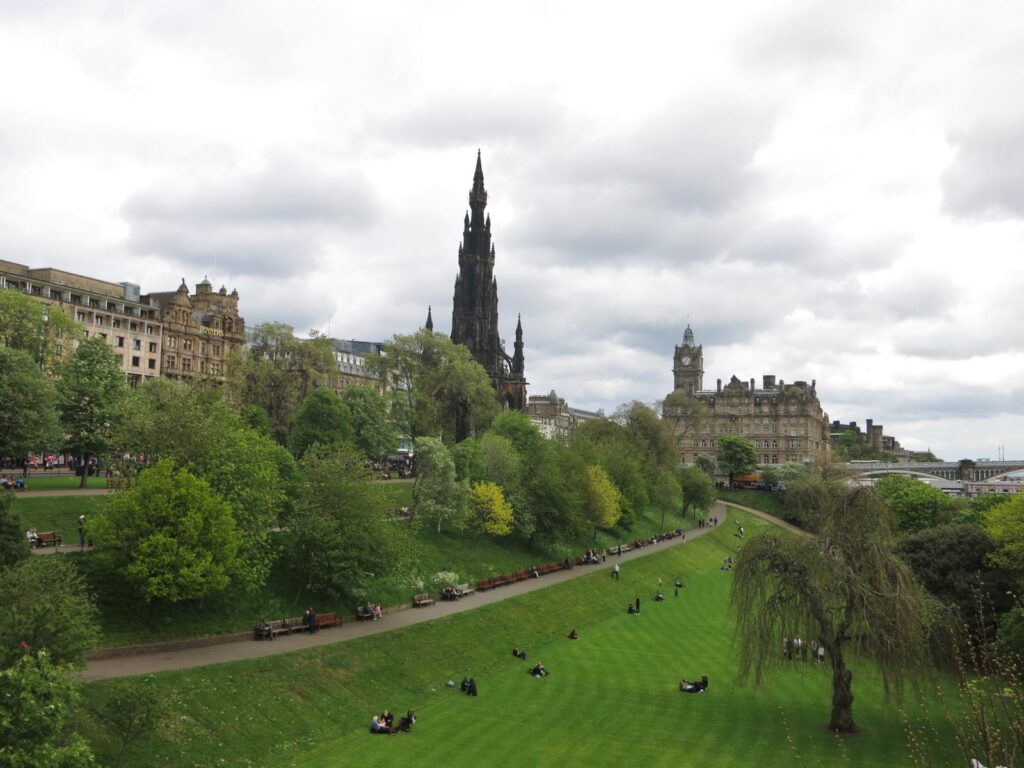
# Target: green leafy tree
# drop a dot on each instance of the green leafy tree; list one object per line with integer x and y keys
{"x": 44, "y": 604}
{"x": 609, "y": 445}
{"x": 600, "y": 498}
{"x": 951, "y": 562}
{"x": 374, "y": 434}
{"x": 42, "y": 331}
{"x": 698, "y": 490}
{"x": 914, "y": 505}
{"x": 132, "y": 709}
{"x": 322, "y": 418}
{"x": 164, "y": 419}
{"x": 172, "y": 537}
{"x": 493, "y": 514}
{"x": 843, "y": 586}
{"x": 499, "y": 462}
{"x": 652, "y": 436}
{"x": 466, "y": 456}
{"x": 686, "y": 415}
{"x": 735, "y": 455}
{"x": 39, "y": 700}
{"x": 343, "y": 536}
{"x": 705, "y": 462}
{"x": 89, "y": 393}
{"x": 277, "y": 371}
{"x": 438, "y": 497}
{"x": 13, "y": 544}
{"x": 28, "y": 419}
{"x": 435, "y": 387}
{"x": 1004, "y": 523}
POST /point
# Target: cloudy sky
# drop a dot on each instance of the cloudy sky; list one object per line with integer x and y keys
{"x": 829, "y": 191}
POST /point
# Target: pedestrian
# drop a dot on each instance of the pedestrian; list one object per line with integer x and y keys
{"x": 81, "y": 531}
{"x": 615, "y": 571}
{"x": 637, "y": 603}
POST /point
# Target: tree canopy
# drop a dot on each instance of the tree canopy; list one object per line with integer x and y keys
{"x": 1004, "y": 523}
{"x": 42, "y": 331}
{"x": 374, "y": 434}
{"x": 438, "y": 497}
{"x": 28, "y": 419}
{"x": 435, "y": 387}
{"x": 44, "y": 604}
{"x": 914, "y": 505}
{"x": 698, "y": 490}
{"x": 492, "y": 513}
{"x": 322, "y": 418}
{"x": 735, "y": 455}
{"x": 171, "y": 536}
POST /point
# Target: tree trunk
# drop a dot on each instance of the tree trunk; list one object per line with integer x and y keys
{"x": 842, "y": 694}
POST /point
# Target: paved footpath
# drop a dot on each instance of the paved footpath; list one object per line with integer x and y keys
{"x": 244, "y": 647}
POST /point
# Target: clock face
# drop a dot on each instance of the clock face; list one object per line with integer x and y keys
{"x": 686, "y": 361}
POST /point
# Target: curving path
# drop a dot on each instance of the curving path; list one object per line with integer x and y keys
{"x": 237, "y": 647}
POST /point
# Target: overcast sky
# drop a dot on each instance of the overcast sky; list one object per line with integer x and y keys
{"x": 821, "y": 193}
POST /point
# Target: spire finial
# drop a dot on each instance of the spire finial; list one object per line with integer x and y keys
{"x": 430, "y": 320}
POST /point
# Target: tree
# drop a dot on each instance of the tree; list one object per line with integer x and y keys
{"x": 686, "y": 415}
{"x": 89, "y": 391}
{"x": 39, "y": 698}
{"x": 600, "y": 498}
{"x": 914, "y": 505}
{"x": 28, "y": 420}
{"x": 499, "y": 462}
{"x": 608, "y": 444}
{"x": 42, "y": 331}
{"x": 374, "y": 434}
{"x": 44, "y": 604}
{"x": 342, "y": 534}
{"x": 277, "y": 371}
{"x": 132, "y": 709}
{"x": 842, "y": 586}
{"x": 13, "y": 544}
{"x": 951, "y": 562}
{"x": 434, "y": 386}
{"x": 173, "y": 538}
{"x": 698, "y": 491}
{"x": 492, "y": 512}
{"x": 1004, "y": 523}
{"x": 322, "y": 418}
{"x": 164, "y": 419}
{"x": 735, "y": 455}
{"x": 705, "y": 462}
{"x": 437, "y": 495}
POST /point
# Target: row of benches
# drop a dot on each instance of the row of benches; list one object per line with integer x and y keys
{"x": 291, "y": 626}
{"x": 47, "y": 539}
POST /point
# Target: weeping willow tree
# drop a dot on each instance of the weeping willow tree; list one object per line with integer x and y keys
{"x": 842, "y": 586}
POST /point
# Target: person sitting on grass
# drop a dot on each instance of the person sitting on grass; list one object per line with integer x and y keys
{"x": 698, "y": 687}
{"x": 471, "y": 688}
{"x": 464, "y": 686}
{"x": 538, "y": 670}
{"x": 518, "y": 653}
{"x": 659, "y": 597}
{"x": 377, "y": 726}
{"x": 407, "y": 722}
{"x": 574, "y": 635}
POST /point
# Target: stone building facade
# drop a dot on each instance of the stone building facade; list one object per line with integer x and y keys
{"x": 200, "y": 330}
{"x": 555, "y": 418}
{"x": 784, "y": 421}
{"x": 112, "y": 311}
{"x": 475, "y": 304}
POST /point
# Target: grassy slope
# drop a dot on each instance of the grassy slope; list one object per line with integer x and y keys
{"x": 611, "y": 698}
{"x": 763, "y": 500}
{"x": 466, "y": 555}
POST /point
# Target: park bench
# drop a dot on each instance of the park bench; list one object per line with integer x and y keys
{"x": 422, "y": 600}
{"x": 464, "y": 589}
{"x": 547, "y": 568}
{"x": 48, "y": 539}
{"x": 365, "y": 613}
{"x": 330, "y": 619}
{"x": 275, "y": 628}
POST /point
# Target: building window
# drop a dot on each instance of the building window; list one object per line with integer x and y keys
{"x": 98, "y": 320}
{"x": 133, "y": 326}
{"x": 135, "y": 361}
{"x": 171, "y": 363}
{"x": 119, "y": 342}
{"x": 136, "y": 344}
{"x": 80, "y": 317}
{"x": 151, "y": 364}
{"x": 202, "y": 347}
{"x": 152, "y": 346}
{"x": 187, "y": 344}
{"x": 216, "y": 349}
{"x": 149, "y": 329}
{"x": 172, "y": 342}
{"x": 115, "y": 323}
{"x": 186, "y": 363}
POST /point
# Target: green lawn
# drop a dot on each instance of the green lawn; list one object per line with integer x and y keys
{"x": 56, "y": 513}
{"x": 66, "y": 483}
{"x": 611, "y": 699}
{"x": 763, "y": 500}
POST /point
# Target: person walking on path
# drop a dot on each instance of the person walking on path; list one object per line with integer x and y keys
{"x": 615, "y": 571}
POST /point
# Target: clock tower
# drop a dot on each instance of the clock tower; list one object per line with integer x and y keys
{"x": 688, "y": 367}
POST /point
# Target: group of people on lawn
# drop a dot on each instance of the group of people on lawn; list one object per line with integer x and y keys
{"x": 385, "y": 722}
{"x": 13, "y": 483}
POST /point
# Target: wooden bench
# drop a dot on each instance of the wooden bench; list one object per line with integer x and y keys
{"x": 422, "y": 600}
{"x": 330, "y": 619}
{"x": 48, "y": 539}
{"x": 365, "y": 613}
{"x": 464, "y": 589}
{"x": 547, "y": 568}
